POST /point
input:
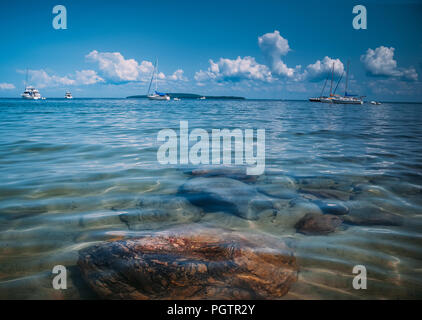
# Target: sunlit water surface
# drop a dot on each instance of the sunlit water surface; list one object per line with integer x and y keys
{"x": 75, "y": 173}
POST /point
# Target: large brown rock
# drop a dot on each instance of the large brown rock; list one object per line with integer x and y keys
{"x": 318, "y": 224}
{"x": 195, "y": 264}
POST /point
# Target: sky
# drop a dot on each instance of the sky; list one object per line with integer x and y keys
{"x": 269, "y": 49}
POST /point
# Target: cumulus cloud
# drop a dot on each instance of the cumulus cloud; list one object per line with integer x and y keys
{"x": 42, "y": 79}
{"x": 88, "y": 77}
{"x": 114, "y": 67}
{"x": 380, "y": 62}
{"x": 6, "y": 86}
{"x": 323, "y": 69}
{"x": 274, "y": 46}
{"x": 178, "y": 75}
{"x": 234, "y": 70}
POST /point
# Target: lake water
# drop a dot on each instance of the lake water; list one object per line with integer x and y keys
{"x": 75, "y": 173}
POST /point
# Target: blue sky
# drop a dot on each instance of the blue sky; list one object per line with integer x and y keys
{"x": 256, "y": 49}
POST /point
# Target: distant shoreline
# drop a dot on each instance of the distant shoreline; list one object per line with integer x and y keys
{"x": 207, "y": 97}
{"x": 191, "y": 96}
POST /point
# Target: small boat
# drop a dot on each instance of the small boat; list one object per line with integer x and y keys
{"x": 375, "y": 103}
{"x": 68, "y": 95}
{"x": 176, "y": 99}
{"x": 156, "y": 95}
{"x": 202, "y": 98}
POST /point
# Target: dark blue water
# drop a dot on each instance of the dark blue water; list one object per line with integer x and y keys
{"x": 77, "y": 172}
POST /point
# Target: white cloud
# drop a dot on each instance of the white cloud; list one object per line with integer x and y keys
{"x": 274, "y": 46}
{"x": 41, "y": 79}
{"x": 380, "y": 62}
{"x": 234, "y": 70}
{"x": 323, "y": 69}
{"x": 6, "y": 86}
{"x": 88, "y": 77}
{"x": 115, "y": 68}
{"x": 178, "y": 75}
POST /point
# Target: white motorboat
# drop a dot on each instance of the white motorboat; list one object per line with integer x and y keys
{"x": 375, "y": 103}
{"x": 156, "y": 95}
{"x": 31, "y": 93}
{"x": 176, "y": 99}
{"x": 68, "y": 95}
{"x": 202, "y": 98}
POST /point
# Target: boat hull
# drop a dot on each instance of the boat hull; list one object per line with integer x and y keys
{"x": 315, "y": 99}
{"x": 160, "y": 98}
{"x": 30, "y": 98}
{"x": 343, "y": 101}
{"x": 326, "y": 100}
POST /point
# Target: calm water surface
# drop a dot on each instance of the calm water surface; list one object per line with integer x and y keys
{"x": 74, "y": 173}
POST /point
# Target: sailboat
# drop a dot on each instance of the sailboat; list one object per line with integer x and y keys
{"x": 348, "y": 98}
{"x": 318, "y": 99}
{"x": 30, "y": 92}
{"x": 156, "y": 95}
{"x": 331, "y": 97}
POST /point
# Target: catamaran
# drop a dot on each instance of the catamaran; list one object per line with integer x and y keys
{"x": 30, "y": 92}
{"x": 348, "y": 98}
{"x": 156, "y": 95}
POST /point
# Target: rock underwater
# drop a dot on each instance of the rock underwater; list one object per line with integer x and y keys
{"x": 318, "y": 224}
{"x": 227, "y": 195}
{"x": 194, "y": 263}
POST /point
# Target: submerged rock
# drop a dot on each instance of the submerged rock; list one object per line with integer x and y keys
{"x": 227, "y": 195}
{"x": 157, "y": 211}
{"x": 276, "y": 191}
{"x": 327, "y": 193}
{"x": 194, "y": 264}
{"x": 318, "y": 224}
{"x": 373, "y": 217}
{"x": 232, "y": 173}
{"x": 332, "y": 207}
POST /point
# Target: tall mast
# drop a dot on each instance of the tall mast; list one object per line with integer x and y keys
{"x": 152, "y": 77}
{"x": 323, "y": 88}
{"x": 332, "y": 79}
{"x": 156, "y": 73}
{"x": 338, "y": 82}
{"x": 347, "y": 78}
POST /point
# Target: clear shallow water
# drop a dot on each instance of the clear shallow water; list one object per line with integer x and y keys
{"x": 77, "y": 172}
